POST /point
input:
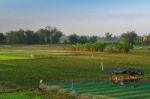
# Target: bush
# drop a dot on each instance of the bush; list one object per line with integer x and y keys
{"x": 97, "y": 46}
{"x": 89, "y": 46}
{"x": 78, "y": 46}
{"x": 123, "y": 46}
{"x": 112, "y": 49}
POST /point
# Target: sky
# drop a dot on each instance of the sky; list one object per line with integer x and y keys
{"x": 84, "y": 17}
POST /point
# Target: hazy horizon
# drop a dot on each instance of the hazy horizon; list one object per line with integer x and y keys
{"x": 84, "y": 17}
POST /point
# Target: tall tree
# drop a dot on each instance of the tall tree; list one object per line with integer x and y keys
{"x": 2, "y": 38}
{"x": 44, "y": 35}
{"x": 15, "y": 37}
{"x": 130, "y": 37}
{"x": 31, "y": 37}
{"x": 56, "y": 36}
{"x": 108, "y": 36}
{"x": 83, "y": 39}
{"x": 74, "y": 38}
{"x": 93, "y": 39}
{"x": 49, "y": 35}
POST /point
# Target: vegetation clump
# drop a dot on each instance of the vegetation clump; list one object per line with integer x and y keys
{"x": 120, "y": 47}
{"x": 97, "y": 46}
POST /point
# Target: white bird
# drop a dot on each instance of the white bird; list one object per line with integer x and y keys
{"x": 41, "y": 81}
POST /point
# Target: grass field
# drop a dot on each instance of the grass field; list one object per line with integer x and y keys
{"x": 6, "y": 57}
{"x": 57, "y": 64}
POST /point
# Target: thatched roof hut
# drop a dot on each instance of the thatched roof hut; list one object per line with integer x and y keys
{"x": 120, "y": 75}
{"x": 131, "y": 71}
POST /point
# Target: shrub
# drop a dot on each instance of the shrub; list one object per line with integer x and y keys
{"x": 89, "y": 46}
{"x": 78, "y": 46}
{"x": 101, "y": 46}
{"x": 124, "y": 46}
{"x": 121, "y": 46}
{"x": 97, "y": 46}
{"x": 111, "y": 48}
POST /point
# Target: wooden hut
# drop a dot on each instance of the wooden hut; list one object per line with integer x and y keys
{"x": 125, "y": 75}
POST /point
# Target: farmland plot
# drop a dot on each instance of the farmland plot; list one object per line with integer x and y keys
{"x": 112, "y": 90}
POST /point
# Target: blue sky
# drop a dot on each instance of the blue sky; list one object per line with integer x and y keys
{"x": 85, "y": 17}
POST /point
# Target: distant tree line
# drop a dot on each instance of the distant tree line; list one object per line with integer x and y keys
{"x": 51, "y": 35}
{"x": 46, "y": 35}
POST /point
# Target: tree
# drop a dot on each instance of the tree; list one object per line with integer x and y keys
{"x": 31, "y": 37}
{"x": 108, "y": 36}
{"x": 93, "y": 39}
{"x": 99, "y": 46}
{"x": 2, "y": 38}
{"x": 129, "y": 37}
{"x": 56, "y": 36}
{"x": 73, "y": 39}
{"x": 44, "y": 35}
{"x": 49, "y": 35}
{"x": 146, "y": 39}
{"x": 123, "y": 46}
{"x": 83, "y": 39}
{"x": 41, "y": 37}
{"x": 15, "y": 37}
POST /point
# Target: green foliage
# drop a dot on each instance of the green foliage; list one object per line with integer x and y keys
{"x": 97, "y": 46}
{"x": 89, "y": 46}
{"x": 123, "y": 46}
{"x": 111, "y": 48}
{"x": 93, "y": 39}
{"x": 2, "y": 38}
{"x": 83, "y": 39}
{"x": 15, "y": 37}
{"x": 73, "y": 39}
{"x": 48, "y": 35}
{"x": 78, "y": 46}
{"x": 30, "y": 37}
{"x": 108, "y": 36}
{"x": 51, "y": 35}
{"x": 100, "y": 46}
{"x": 129, "y": 37}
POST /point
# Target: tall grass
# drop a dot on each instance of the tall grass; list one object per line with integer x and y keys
{"x": 97, "y": 46}
{"x": 120, "y": 47}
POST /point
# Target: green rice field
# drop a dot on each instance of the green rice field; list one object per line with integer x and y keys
{"x": 112, "y": 90}
{"x": 5, "y": 57}
{"x": 59, "y": 64}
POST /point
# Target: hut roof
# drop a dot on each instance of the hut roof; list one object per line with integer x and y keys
{"x": 131, "y": 71}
